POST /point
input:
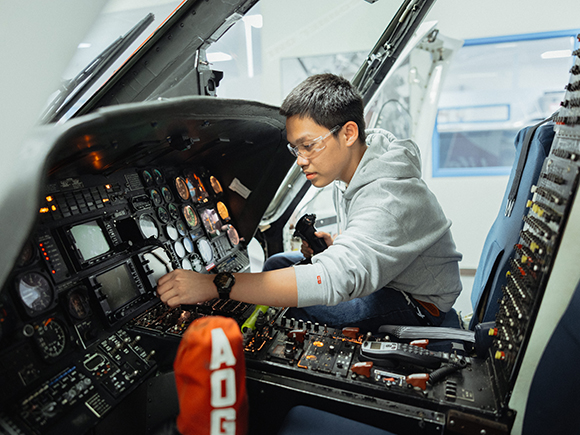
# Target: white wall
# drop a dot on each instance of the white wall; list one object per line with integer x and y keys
{"x": 302, "y": 28}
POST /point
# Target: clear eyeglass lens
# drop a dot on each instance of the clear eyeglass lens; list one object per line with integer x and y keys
{"x": 307, "y": 151}
{"x": 303, "y": 150}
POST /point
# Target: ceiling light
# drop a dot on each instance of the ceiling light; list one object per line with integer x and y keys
{"x": 556, "y": 54}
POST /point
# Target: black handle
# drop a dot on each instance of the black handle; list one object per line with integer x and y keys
{"x": 305, "y": 230}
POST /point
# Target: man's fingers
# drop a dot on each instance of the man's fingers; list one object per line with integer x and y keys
{"x": 306, "y": 250}
{"x": 165, "y": 278}
{"x": 173, "y": 302}
{"x": 325, "y": 236}
{"x": 165, "y": 294}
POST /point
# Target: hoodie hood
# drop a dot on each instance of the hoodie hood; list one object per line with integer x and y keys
{"x": 386, "y": 157}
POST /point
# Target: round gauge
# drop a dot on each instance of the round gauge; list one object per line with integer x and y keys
{"x": 205, "y": 250}
{"x": 188, "y": 244}
{"x": 182, "y": 188}
{"x": 190, "y": 216}
{"x": 148, "y": 226}
{"x": 181, "y": 228}
{"x": 26, "y": 255}
{"x": 179, "y": 249}
{"x": 163, "y": 214}
{"x": 158, "y": 176}
{"x": 78, "y": 304}
{"x": 147, "y": 178}
{"x": 196, "y": 263}
{"x": 223, "y": 211}
{"x": 186, "y": 264}
{"x": 35, "y": 292}
{"x": 166, "y": 193}
{"x": 171, "y": 232}
{"x": 155, "y": 196}
{"x": 173, "y": 211}
{"x": 51, "y": 338}
{"x": 215, "y": 185}
{"x": 233, "y": 236}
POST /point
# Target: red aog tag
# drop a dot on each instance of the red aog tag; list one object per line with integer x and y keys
{"x": 210, "y": 374}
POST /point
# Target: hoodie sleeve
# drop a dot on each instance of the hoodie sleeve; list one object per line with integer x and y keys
{"x": 378, "y": 244}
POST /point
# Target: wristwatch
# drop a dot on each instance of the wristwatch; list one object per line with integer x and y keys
{"x": 224, "y": 282}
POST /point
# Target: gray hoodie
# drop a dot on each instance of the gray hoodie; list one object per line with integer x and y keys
{"x": 394, "y": 233}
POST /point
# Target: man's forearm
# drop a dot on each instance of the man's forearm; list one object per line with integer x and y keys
{"x": 274, "y": 288}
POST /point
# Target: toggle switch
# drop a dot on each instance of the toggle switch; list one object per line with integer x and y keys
{"x": 297, "y": 335}
{"x": 350, "y": 332}
{"x": 362, "y": 368}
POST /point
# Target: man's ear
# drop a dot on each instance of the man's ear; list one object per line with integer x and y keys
{"x": 350, "y": 131}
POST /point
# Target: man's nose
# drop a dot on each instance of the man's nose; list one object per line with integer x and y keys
{"x": 301, "y": 160}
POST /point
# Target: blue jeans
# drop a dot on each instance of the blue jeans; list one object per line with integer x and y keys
{"x": 385, "y": 306}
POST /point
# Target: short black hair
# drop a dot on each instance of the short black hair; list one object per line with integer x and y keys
{"x": 329, "y": 100}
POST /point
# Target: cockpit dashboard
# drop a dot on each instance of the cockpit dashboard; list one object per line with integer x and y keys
{"x": 122, "y": 203}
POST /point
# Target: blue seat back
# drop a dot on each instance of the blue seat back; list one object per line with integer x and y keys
{"x": 505, "y": 231}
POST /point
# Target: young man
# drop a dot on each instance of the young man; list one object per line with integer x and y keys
{"x": 394, "y": 262}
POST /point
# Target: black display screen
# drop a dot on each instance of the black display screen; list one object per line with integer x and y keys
{"x": 118, "y": 286}
{"x": 89, "y": 240}
{"x": 211, "y": 221}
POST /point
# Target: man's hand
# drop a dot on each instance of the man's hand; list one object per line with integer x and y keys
{"x": 185, "y": 287}
{"x": 307, "y": 250}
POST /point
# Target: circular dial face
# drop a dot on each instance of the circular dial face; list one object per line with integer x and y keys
{"x": 188, "y": 244}
{"x": 166, "y": 193}
{"x": 155, "y": 196}
{"x": 78, "y": 304}
{"x": 196, "y": 263}
{"x": 173, "y": 211}
{"x": 26, "y": 255}
{"x": 163, "y": 214}
{"x": 179, "y": 249}
{"x": 215, "y": 185}
{"x": 205, "y": 250}
{"x": 158, "y": 176}
{"x": 190, "y": 217}
{"x": 223, "y": 211}
{"x": 182, "y": 188}
{"x": 233, "y": 236}
{"x": 35, "y": 292}
{"x": 171, "y": 232}
{"x": 186, "y": 264}
{"x": 51, "y": 338}
{"x": 181, "y": 228}
{"x": 148, "y": 226}
{"x": 147, "y": 178}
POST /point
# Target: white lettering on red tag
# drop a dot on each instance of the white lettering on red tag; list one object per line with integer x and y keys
{"x": 223, "y": 385}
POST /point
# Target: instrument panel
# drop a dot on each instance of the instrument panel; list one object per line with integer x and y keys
{"x": 90, "y": 266}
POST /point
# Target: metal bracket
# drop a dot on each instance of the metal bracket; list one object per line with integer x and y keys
{"x": 208, "y": 79}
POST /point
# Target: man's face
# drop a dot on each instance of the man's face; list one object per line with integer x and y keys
{"x": 326, "y": 165}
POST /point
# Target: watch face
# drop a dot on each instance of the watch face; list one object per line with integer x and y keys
{"x": 224, "y": 280}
